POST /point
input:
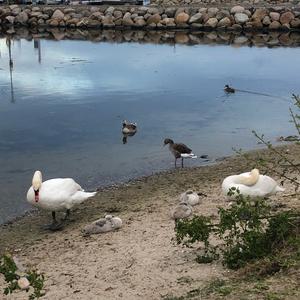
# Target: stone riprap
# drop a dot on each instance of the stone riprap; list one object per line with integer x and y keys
{"x": 235, "y": 18}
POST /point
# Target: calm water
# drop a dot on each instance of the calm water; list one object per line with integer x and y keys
{"x": 61, "y": 109}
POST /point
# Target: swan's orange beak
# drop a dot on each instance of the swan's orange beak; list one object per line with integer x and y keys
{"x": 36, "y": 196}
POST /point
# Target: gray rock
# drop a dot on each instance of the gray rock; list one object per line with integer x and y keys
{"x": 275, "y": 16}
{"x": 182, "y": 18}
{"x": 170, "y": 12}
{"x": 212, "y": 22}
{"x": 197, "y": 18}
{"x": 22, "y": 18}
{"x": 127, "y": 21}
{"x": 154, "y": 19}
{"x": 224, "y": 22}
{"x": 58, "y": 15}
{"x": 212, "y": 11}
{"x": 110, "y": 10}
{"x": 266, "y": 21}
{"x": 118, "y": 14}
{"x": 241, "y": 18}
{"x": 274, "y": 25}
{"x": 10, "y": 19}
{"x": 237, "y": 9}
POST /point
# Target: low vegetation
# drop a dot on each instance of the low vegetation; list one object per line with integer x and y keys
{"x": 12, "y": 276}
{"x": 258, "y": 241}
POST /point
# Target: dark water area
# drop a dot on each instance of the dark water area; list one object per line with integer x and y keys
{"x": 62, "y": 104}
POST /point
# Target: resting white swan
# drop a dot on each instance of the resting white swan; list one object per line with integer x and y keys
{"x": 181, "y": 211}
{"x": 189, "y": 197}
{"x": 55, "y": 195}
{"x": 106, "y": 224}
{"x": 252, "y": 184}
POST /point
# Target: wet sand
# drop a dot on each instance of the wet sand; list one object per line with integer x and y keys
{"x": 140, "y": 260}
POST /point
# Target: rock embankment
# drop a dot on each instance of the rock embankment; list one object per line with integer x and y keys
{"x": 236, "y": 18}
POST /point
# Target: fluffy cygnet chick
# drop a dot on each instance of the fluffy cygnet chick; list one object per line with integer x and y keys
{"x": 106, "y": 224}
{"x": 190, "y": 197}
{"x": 181, "y": 211}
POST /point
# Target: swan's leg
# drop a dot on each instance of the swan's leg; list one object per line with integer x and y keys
{"x": 175, "y": 162}
{"x": 54, "y": 225}
{"x": 181, "y": 162}
{"x": 67, "y": 215}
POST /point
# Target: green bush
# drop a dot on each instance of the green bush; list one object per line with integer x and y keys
{"x": 247, "y": 230}
{"x": 10, "y": 271}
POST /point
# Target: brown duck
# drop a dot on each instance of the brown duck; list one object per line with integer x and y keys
{"x": 179, "y": 150}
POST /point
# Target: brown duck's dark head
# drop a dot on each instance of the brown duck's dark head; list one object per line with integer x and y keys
{"x": 168, "y": 141}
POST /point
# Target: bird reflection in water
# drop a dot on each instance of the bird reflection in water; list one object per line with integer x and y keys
{"x": 125, "y": 135}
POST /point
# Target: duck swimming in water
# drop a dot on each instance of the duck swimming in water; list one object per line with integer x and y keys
{"x": 229, "y": 89}
{"x": 179, "y": 150}
{"x": 129, "y": 128}
{"x": 56, "y": 195}
{"x": 252, "y": 184}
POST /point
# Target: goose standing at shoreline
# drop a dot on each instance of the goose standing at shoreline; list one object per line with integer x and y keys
{"x": 56, "y": 195}
{"x": 179, "y": 150}
{"x": 252, "y": 184}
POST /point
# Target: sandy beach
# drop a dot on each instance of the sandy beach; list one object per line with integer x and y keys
{"x": 140, "y": 260}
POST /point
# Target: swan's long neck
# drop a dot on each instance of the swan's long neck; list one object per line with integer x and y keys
{"x": 251, "y": 179}
{"x": 37, "y": 183}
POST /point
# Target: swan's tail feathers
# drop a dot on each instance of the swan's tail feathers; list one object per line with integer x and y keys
{"x": 279, "y": 189}
{"x": 188, "y": 155}
{"x": 80, "y": 196}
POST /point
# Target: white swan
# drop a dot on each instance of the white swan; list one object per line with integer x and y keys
{"x": 252, "y": 184}
{"x": 106, "y": 224}
{"x": 190, "y": 197}
{"x": 55, "y": 195}
{"x": 181, "y": 211}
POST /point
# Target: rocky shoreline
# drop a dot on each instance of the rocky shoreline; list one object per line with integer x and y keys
{"x": 225, "y": 17}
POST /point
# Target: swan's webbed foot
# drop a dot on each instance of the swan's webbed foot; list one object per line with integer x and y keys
{"x": 54, "y": 226}
{"x": 67, "y": 217}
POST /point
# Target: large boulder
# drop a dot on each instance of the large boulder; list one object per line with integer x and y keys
{"x": 237, "y": 9}
{"x": 274, "y": 25}
{"x": 287, "y": 17}
{"x": 212, "y": 11}
{"x": 22, "y": 18}
{"x": 225, "y": 22}
{"x": 127, "y": 21}
{"x": 275, "y": 16}
{"x": 197, "y": 18}
{"x": 154, "y": 19}
{"x": 182, "y": 18}
{"x": 58, "y": 15}
{"x": 107, "y": 21}
{"x": 212, "y": 22}
{"x": 259, "y": 14}
{"x": 10, "y": 19}
{"x": 241, "y": 18}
